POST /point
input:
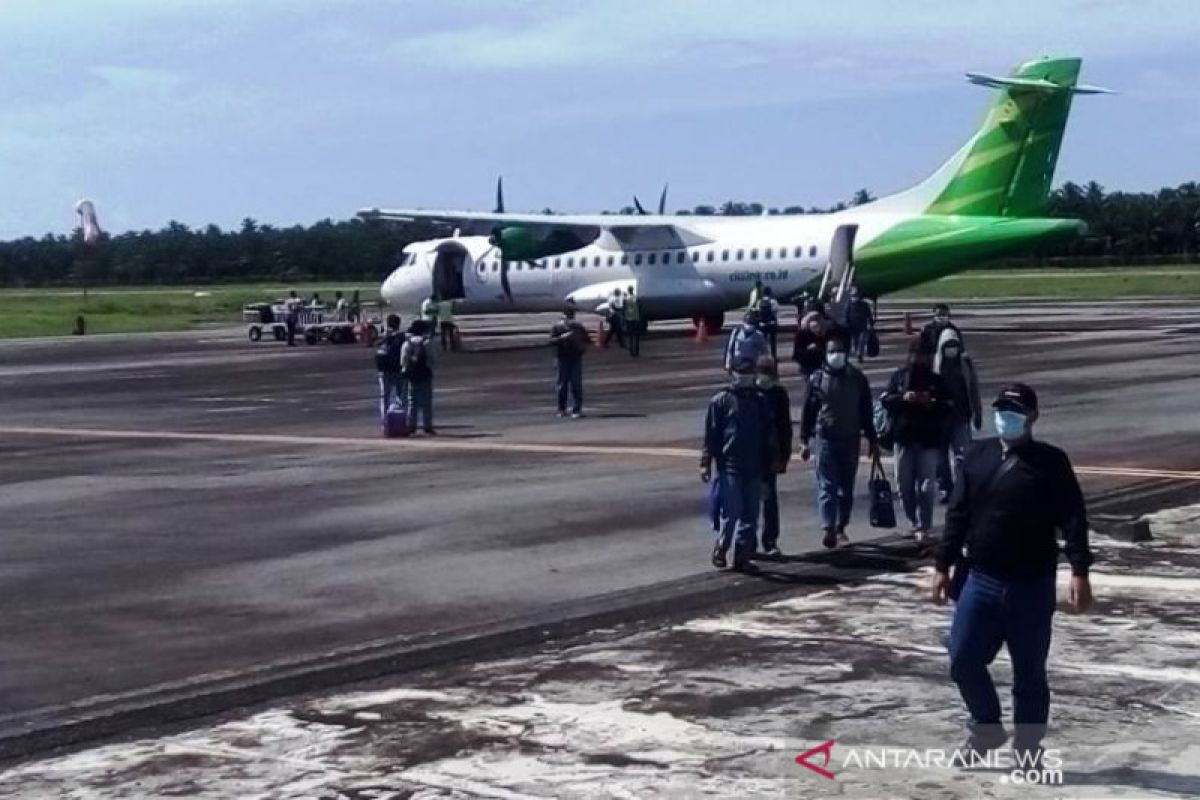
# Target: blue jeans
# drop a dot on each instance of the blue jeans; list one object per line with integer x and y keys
{"x": 392, "y": 391}
{"x": 770, "y": 511}
{"x": 570, "y": 379}
{"x": 741, "y": 497}
{"x": 837, "y": 467}
{"x": 420, "y": 403}
{"x": 958, "y": 439}
{"x": 991, "y": 612}
{"x": 916, "y": 471}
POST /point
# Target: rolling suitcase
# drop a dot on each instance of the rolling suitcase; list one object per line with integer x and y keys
{"x": 395, "y": 422}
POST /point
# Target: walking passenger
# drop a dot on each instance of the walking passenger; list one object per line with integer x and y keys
{"x": 635, "y": 325}
{"x": 962, "y": 387}
{"x": 739, "y": 436}
{"x": 838, "y": 413}
{"x": 570, "y": 341}
{"x": 1016, "y": 494}
{"x": 756, "y": 294}
{"x": 616, "y": 319}
{"x": 861, "y": 322}
{"x": 746, "y": 342}
{"x": 808, "y": 348}
{"x": 416, "y": 365}
{"x": 393, "y": 392}
{"x": 917, "y": 402}
{"x": 768, "y": 319}
{"x": 931, "y": 334}
{"x": 781, "y": 417}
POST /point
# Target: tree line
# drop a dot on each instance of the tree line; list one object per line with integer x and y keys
{"x": 1123, "y": 228}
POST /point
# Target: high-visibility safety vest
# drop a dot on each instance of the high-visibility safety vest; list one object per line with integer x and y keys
{"x": 633, "y": 309}
{"x": 445, "y": 311}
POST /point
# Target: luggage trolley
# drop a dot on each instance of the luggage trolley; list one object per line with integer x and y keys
{"x": 313, "y": 324}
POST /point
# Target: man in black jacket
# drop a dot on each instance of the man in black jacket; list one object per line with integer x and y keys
{"x": 918, "y": 403}
{"x": 1015, "y": 495}
{"x": 781, "y": 418}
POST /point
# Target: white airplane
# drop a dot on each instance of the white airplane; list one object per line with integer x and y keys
{"x": 983, "y": 203}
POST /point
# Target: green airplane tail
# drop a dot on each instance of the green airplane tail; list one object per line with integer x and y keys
{"x": 1006, "y": 168}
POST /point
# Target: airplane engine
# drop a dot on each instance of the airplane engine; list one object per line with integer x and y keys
{"x": 517, "y": 243}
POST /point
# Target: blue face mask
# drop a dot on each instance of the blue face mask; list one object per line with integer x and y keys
{"x": 1010, "y": 425}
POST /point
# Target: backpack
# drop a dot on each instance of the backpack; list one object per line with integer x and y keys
{"x": 766, "y": 311}
{"x": 740, "y": 347}
{"x": 418, "y": 369}
{"x": 387, "y": 352}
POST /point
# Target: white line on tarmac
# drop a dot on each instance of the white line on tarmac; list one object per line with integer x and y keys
{"x": 476, "y": 446}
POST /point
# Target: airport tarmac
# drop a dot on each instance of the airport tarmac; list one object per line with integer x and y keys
{"x": 187, "y": 505}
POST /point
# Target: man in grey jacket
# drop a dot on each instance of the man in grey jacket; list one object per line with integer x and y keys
{"x": 838, "y": 410}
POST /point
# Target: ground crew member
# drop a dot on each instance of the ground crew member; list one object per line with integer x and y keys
{"x": 570, "y": 341}
{"x": 781, "y": 417}
{"x": 1016, "y": 493}
{"x": 917, "y": 402}
{"x": 449, "y": 331}
{"x": 962, "y": 385}
{"x": 740, "y": 437}
{"x": 429, "y": 313}
{"x": 768, "y": 319}
{"x": 616, "y": 319}
{"x": 356, "y": 307}
{"x": 634, "y": 324}
{"x": 392, "y": 388}
{"x": 838, "y": 411}
{"x": 292, "y": 306}
{"x": 340, "y": 307}
{"x": 416, "y": 365}
{"x": 932, "y": 332}
{"x": 746, "y": 342}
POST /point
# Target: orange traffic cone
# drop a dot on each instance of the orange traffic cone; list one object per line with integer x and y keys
{"x": 701, "y": 332}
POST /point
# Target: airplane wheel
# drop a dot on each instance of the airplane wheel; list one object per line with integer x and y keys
{"x": 255, "y": 333}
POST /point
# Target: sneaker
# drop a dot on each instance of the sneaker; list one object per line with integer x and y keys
{"x": 718, "y": 559}
{"x": 576, "y": 415}
{"x": 984, "y": 738}
{"x": 562, "y": 413}
{"x": 842, "y": 539}
{"x": 829, "y": 540}
{"x": 772, "y": 552}
{"x": 430, "y": 432}
{"x": 746, "y": 567}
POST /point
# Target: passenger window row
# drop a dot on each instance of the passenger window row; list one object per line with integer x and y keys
{"x": 665, "y": 257}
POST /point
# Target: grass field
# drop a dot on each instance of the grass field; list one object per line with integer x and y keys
{"x": 52, "y": 312}
{"x": 1091, "y": 284}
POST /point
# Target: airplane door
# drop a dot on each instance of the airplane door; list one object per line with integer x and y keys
{"x": 450, "y": 260}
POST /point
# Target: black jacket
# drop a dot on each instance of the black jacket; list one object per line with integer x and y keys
{"x": 781, "y": 416}
{"x": 838, "y": 404}
{"x": 917, "y": 424}
{"x": 1011, "y": 533}
{"x": 739, "y": 433}
{"x": 808, "y": 350}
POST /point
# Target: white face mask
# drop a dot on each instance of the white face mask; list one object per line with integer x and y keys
{"x": 765, "y": 381}
{"x": 836, "y": 360}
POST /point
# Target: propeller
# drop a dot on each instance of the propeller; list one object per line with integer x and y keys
{"x": 499, "y": 195}
{"x": 662, "y": 203}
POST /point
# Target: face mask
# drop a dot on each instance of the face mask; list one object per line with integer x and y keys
{"x": 1010, "y": 425}
{"x": 950, "y": 352}
{"x": 765, "y": 381}
{"x": 835, "y": 360}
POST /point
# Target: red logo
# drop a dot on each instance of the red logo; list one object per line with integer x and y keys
{"x": 823, "y": 749}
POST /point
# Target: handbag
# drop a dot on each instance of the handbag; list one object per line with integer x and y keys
{"x": 883, "y": 504}
{"x": 960, "y": 570}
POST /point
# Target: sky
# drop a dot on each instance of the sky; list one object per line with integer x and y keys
{"x": 290, "y": 111}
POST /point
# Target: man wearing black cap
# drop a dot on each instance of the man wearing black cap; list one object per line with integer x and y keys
{"x": 1014, "y": 496}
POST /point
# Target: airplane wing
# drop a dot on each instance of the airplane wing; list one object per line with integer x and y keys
{"x": 608, "y": 231}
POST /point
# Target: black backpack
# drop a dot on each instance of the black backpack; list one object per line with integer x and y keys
{"x": 387, "y": 352}
{"x": 418, "y": 370}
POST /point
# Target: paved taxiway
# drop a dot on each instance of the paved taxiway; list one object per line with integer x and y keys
{"x": 253, "y": 514}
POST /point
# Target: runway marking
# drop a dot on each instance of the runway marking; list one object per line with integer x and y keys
{"x": 478, "y": 446}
